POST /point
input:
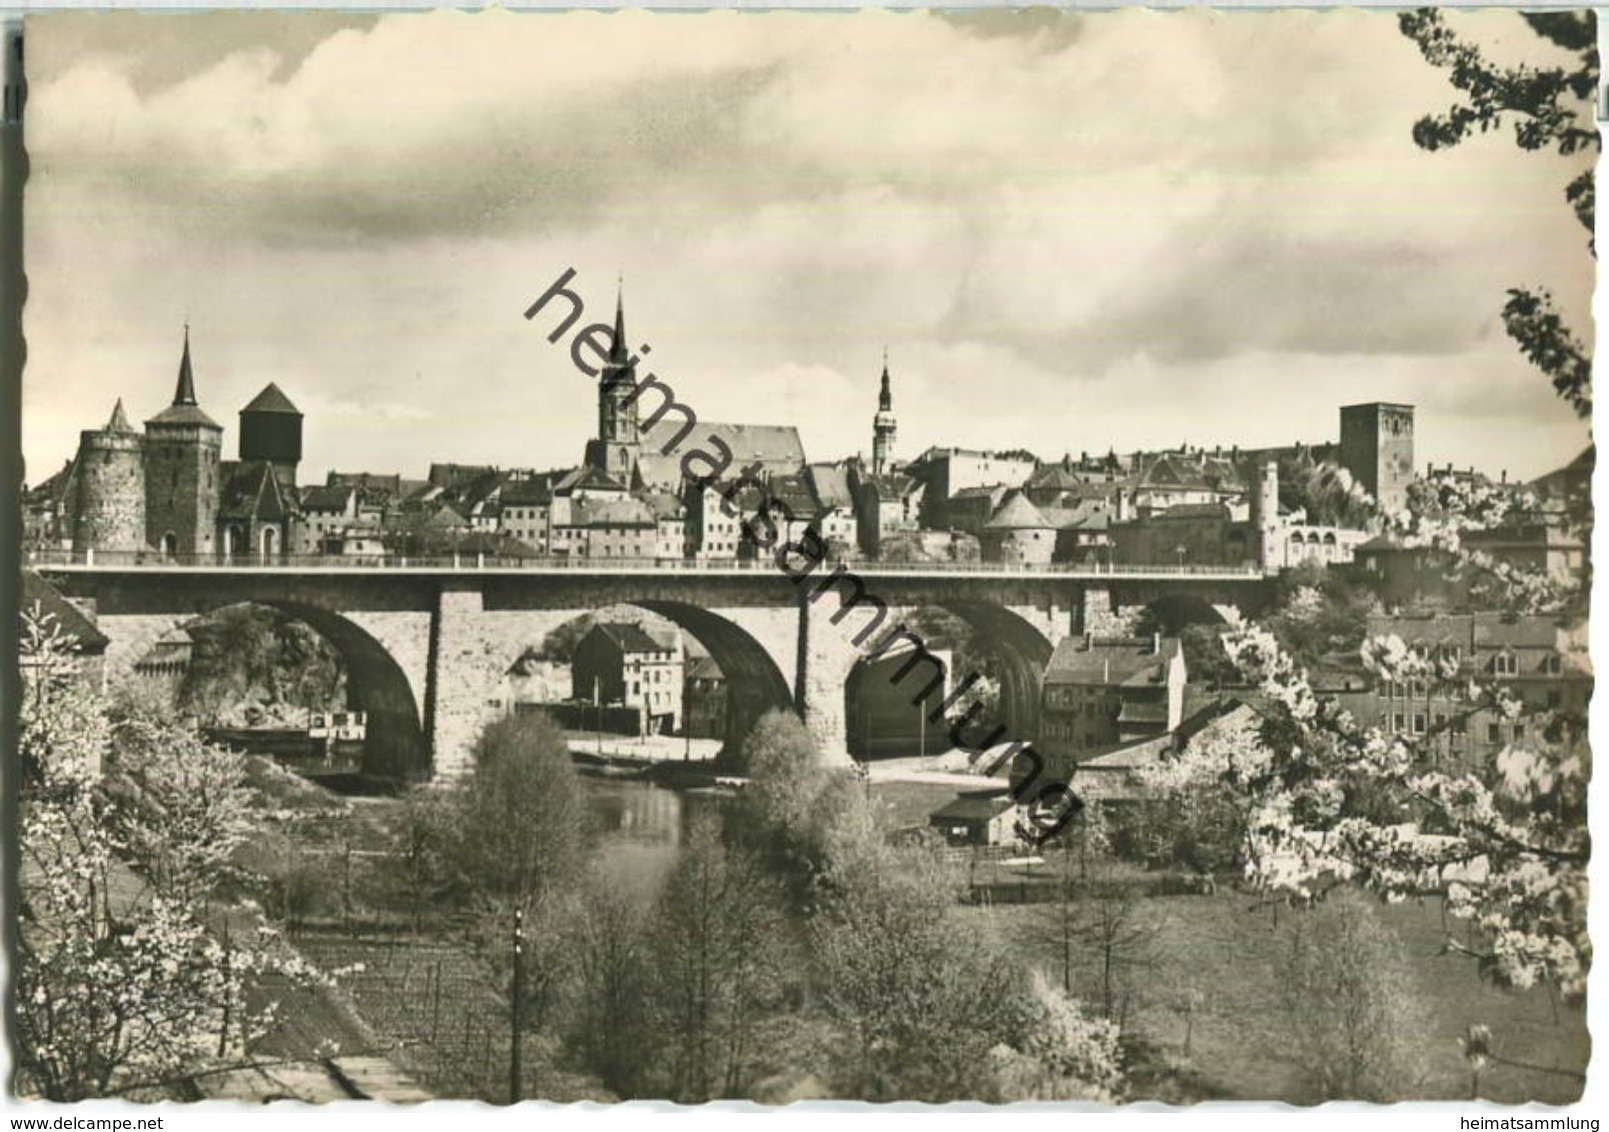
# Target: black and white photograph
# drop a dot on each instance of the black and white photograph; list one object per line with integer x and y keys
{"x": 977, "y": 555}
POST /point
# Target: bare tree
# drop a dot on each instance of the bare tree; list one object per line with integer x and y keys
{"x": 1107, "y": 918}
{"x": 718, "y": 939}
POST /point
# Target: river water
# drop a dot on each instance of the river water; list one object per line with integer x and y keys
{"x": 641, "y": 827}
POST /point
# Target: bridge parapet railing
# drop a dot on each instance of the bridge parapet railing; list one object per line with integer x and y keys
{"x": 474, "y": 562}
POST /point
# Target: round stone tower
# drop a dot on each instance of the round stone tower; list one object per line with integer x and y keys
{"x": 109, "y": 510}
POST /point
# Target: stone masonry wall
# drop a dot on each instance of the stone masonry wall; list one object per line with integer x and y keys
{"x": 474, "y": 648}
{"x": 1100, "y": 617}
{"x": 109, "y": 513}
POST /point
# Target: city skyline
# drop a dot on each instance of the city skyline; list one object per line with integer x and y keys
{"x": 372, "y": 258}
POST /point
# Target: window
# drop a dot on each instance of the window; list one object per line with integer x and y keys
{"x": 1398, "y": 722}
{"x": 1419, "y": 723}
{"x": 1505, "y": 664}
{"x": 1553, "y": 665}
{"x": 1554, "y": 698}
{"x": 1494, "y": 733}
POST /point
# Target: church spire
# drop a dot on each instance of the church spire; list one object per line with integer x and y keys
{"x": 186, "y": 393}
{"x": 884, "y": 425}
{"x": 619, "y": 352}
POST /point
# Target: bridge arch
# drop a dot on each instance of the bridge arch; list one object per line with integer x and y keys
{"x": 394, "y": 746}
{"x": 754, "y": 682}
{"x": 894, "y": 719}
{"x": 1023, "y": 653}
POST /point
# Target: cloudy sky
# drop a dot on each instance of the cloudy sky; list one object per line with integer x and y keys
{"x": 1071, "y": 232}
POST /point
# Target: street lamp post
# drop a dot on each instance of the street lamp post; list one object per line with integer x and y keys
{"x": 516, "y": 1019}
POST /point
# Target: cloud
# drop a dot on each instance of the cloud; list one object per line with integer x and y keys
{"x": 1039, "y": 207}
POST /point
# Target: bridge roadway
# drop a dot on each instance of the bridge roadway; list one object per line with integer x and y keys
{"x": 429, "y": 643}
{"x": 564, "y": 565}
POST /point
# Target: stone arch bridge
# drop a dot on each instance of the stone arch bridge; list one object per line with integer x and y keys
{"x": 427, "y": 646}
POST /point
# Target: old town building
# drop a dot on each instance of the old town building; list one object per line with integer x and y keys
{"x": 1098, "y": 692}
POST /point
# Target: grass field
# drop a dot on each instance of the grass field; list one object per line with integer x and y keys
{"x": 1218, "y": 948}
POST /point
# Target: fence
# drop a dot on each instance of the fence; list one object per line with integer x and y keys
{"x": 432, "y": 1006}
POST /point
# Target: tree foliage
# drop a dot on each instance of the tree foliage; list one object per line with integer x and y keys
{"x": 1510, "y": 849}
{"x": 1060, "y": 1052}
{"x": 719, "y": 937}
{"x": 792, "y": 800}
{"x": 120, "y": 984}
{"x": 518, "y": 825}
{"x": 917, "y": 1003}
{"x": 1350, "y": 1013}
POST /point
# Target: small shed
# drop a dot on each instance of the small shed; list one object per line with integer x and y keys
{"x": 977, "y": 818}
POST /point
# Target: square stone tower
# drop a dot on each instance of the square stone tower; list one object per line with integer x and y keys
{"x": 1377, "y": 448}
{"x": 182, "y": 450}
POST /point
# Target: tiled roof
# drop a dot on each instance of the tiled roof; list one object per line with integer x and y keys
{"x": 184, "y": 415}
{"x": 119, "y": 422}
{"x": 55, "y": 489}
{"x": 391, "y": 484}
{"x": 1190, "y": 472}
{"x": 588, "y": 478}
{"x": 831, "y": 485}
{"x": 631, "y": 637}
{"x": 1017, "y": 514}
{"x": 331, "y": 497}
{"x": 251, "y": 491}
{"x": 973, "y": 807}
{"x": 793, "y": 492}
{"x": 1111, "y": 662}
{"x": 776, "y": 447}
{"x": 272, "y": 400}
{"x": 1481, "y": 631}
{"x": 442, "y": 518}
{"x": 1088, "y": 515}
{"x": 1194, "y": 511}
{"x": 452, "y": 475}
{"x": 703, "y": 668}
{"x": 890, "y": 485}
{"x": 69, "y": 619}
{"x": 530, "y": 492}
{"x": 664, "y": 504}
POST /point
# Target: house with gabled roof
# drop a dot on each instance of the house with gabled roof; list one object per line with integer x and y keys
{"x": 258, "y": 513}
{"x": 620, "y": 663}
{"x": 1098, "y": 692}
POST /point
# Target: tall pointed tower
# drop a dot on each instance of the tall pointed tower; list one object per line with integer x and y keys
{"x": 182, "y": 449}
{"x": 614, "y": 451}
{"x": 883, "y": 426}
{"x": 109, "y": 509}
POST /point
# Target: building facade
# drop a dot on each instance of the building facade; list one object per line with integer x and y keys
{"x": 619, "y": 663}
{"x": 1098, "y": 692}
